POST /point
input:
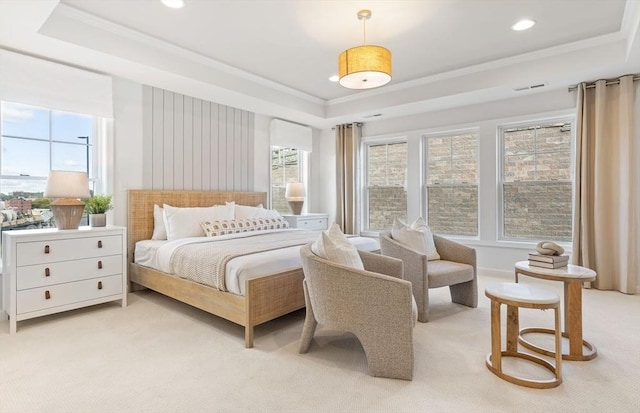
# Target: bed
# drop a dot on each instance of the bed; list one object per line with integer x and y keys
{"x": 265, "y": 298}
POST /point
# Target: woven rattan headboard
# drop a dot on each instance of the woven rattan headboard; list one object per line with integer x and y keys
{"x": 140, "y": 209}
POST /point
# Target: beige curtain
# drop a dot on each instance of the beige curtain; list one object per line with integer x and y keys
{"x": 347, "y": 144}
{"x": 606, "y": 235}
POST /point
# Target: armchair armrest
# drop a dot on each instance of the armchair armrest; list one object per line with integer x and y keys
{"x": 456, "y": 252}
{"x": 382, "y": 265}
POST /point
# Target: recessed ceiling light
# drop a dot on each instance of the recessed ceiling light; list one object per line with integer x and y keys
{"x": 334, "y": 78}
{"x": 174, "y": 4}
{"x": 523, "y": 25}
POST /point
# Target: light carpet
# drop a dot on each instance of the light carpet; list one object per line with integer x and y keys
{"x": 158, "y": 355}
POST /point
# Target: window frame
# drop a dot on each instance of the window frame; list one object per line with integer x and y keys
{"x": 424, "y": 137}
{"x": 303, "y": 173}
{"x": 364, "y": 176}
{"x": 500, "y": 146}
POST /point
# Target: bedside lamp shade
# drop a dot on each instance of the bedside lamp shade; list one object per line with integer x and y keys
{"x": 295, "y": 194}
{"x": 66, "y": 187}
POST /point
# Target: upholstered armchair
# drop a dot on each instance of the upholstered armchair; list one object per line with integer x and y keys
{"x": 456, "y": 268}
{"x": 377, "y": 307}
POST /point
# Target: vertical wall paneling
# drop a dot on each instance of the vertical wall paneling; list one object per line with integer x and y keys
{"x": 197, "y": 144}
{"x": 206, "y": 146}
{"x": 188, "y": 143}
{"x": 147, "y": 137}
{"x": 222, "y": 148}
{"x": 215, "y": 142}
{"x": 178, "y": 142}
{"x": 157, "y": 130}
{"x": 191, "y": 144}
{"x": 237, "y": 150}
{"x": 167, "y": 166}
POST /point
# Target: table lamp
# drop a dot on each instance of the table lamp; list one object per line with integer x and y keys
{"x": 295, "y": 194}
{"x": 66, "y": 187}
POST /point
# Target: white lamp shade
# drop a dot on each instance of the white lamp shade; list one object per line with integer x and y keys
{"x": 67, "y": 184}
{"x": 295, "y": 190}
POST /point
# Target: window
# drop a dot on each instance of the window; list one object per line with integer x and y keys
{"x": 536, "y": 181}
{"x": 287, "y": 165}
{"x": 34, "y": 141}
{"x": 451, "y": 183}
{"x": 386, "y": 184}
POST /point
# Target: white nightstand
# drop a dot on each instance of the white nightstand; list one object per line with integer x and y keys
{"x": 48, "y": 271}
{"x": 317, "y": 222}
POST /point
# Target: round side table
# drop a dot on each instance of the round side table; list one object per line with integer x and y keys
{"x": 572, "y": 276}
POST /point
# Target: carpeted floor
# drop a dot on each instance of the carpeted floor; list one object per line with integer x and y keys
{"x": 158, "y": 355}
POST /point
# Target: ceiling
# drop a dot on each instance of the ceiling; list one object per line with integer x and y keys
{"x": 275, "y": 57}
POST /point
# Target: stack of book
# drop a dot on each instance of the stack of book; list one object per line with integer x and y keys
{"x": 548, "y": 261}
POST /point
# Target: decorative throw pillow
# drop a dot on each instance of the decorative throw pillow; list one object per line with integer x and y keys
{"x": 234, "y": 226}
{"x": 185, "y": 222}
{"x": 334, "y": 246}
{"x": 418, "y": 237}
{"x": 159, "y": 230}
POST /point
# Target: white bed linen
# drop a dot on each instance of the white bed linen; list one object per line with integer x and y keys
{"x": 157, "y": 255}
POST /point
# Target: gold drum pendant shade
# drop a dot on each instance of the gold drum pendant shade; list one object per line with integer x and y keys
{"x": 364, "y": 67}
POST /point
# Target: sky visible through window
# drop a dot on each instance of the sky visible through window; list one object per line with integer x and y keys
{"x": 36, "y": 140}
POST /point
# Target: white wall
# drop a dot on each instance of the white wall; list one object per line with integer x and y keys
{"x": 492, "y": 253}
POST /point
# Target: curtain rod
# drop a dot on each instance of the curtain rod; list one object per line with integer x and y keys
{"x": 591, "y": 85}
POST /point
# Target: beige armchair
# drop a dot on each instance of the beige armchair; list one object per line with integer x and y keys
{"x": 456, "y": 268}
{"x": 377, "y": 307}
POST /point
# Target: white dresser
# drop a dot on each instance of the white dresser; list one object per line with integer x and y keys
{"x": 47, "y": 271}
{"x": 316, "y": 222}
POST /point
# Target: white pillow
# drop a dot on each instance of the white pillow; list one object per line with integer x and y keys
{"x": 159, "y": 230}
{"x": 185, "y": 222}
{"x": 418, "y": 237}
{"x": 334, "y": 246}
{"x": 250, "y": 212}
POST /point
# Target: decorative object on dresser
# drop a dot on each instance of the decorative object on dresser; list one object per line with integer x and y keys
{"x": 308, "y": 221}
{"x": 295, "y": 194}
{"x": 548, "y": 255}
{"x": 48, "y": 271}
{"x": 96, "y": 207}
{"x": 66, "y": 187}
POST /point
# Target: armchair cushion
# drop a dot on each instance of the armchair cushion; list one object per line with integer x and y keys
{"x": 417, "y": 237}
{"x": 334, "y": 246}
{"x": 443, "y": 273}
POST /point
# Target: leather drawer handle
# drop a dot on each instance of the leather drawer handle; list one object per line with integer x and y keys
{"x": 46, "y": 249}
{"x": 99, "y": 285}
{"x": 47, "y": 295}
{"x": 47, "y": 272}
{"x": 99, "y": 244}
{"x": 99, "y": 265}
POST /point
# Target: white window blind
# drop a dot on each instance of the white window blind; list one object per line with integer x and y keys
{"x": 290, "y": 135}
{"x": 37, "y": 82}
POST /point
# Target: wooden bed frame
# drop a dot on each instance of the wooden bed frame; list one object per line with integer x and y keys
{"x": 266, "y": 297}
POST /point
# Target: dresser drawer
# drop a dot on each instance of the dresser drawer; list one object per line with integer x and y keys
{"x": 41, "y": 275}
{"x": 40, "y": 252}
{"x": 312, "y": 223}
{"x": 63, "y": 294}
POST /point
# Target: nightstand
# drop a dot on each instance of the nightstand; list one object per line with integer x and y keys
{"x": 317, "y": 222}
{"x": 48, "y": 271}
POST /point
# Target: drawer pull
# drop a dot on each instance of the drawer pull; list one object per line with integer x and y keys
{"x": 47, "y": 272}
{"x": 99, "y": 265}
{"x": 99, "y": 285}
{"x": 99, "y": 244}
{"x": 46, "y": 249}
{"x": 47, "y": 295}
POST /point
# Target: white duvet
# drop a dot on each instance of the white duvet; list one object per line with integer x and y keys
{"x": 157, "y": 255}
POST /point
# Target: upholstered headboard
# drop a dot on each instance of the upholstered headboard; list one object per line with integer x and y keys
{"x": 140, "y": 208}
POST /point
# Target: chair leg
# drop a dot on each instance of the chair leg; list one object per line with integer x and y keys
{"x": 423, "y": 310}
{"x": 465, "y": 293}
{"x": 392, "y": 363}
{"x": 310, "y": 323}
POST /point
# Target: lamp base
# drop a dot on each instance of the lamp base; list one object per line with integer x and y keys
{"x": 67, "y": 213}
{"x": 296, "y": 207}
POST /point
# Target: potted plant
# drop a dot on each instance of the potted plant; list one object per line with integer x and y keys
{"x": 96, "y": 207}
